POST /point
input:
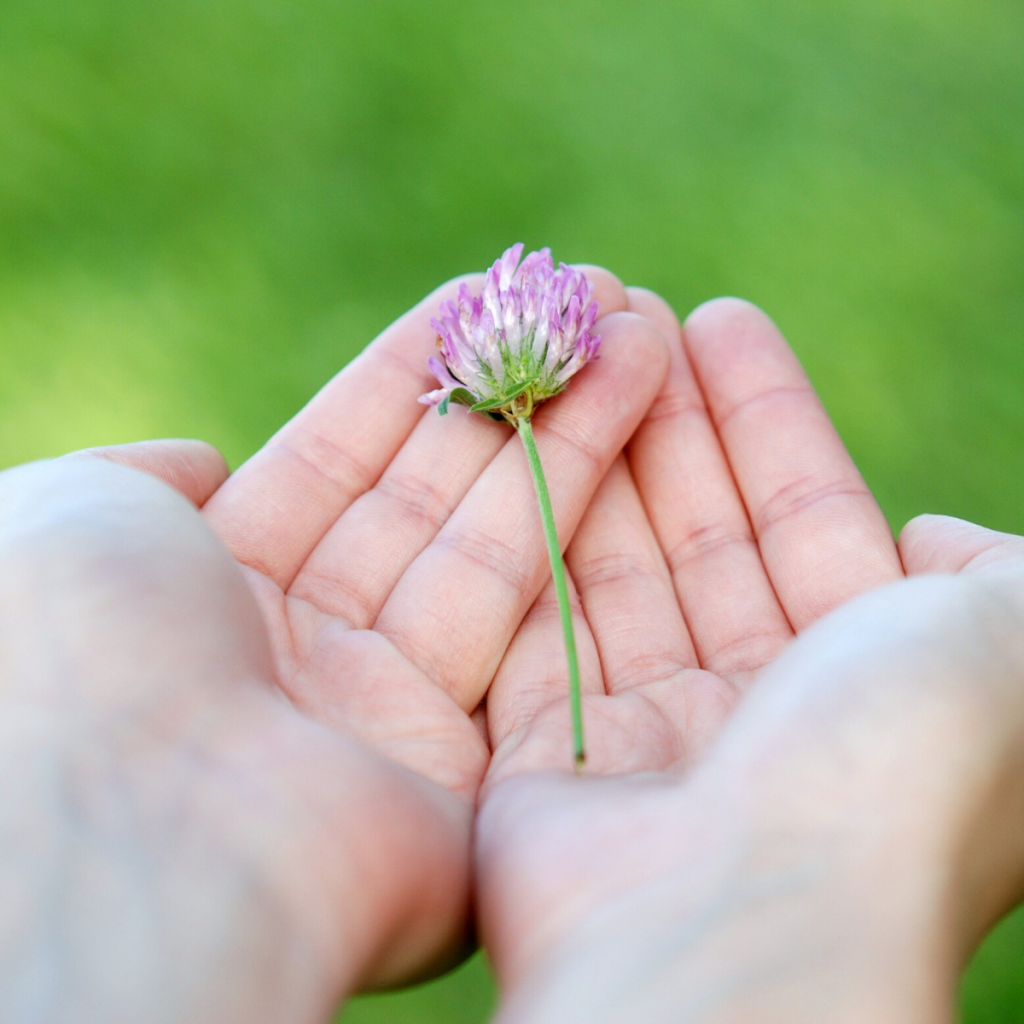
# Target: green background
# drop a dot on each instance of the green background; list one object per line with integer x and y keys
{"x": 208, "y": 206}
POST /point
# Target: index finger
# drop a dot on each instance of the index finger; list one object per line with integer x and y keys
{"x": 275, "y": 508}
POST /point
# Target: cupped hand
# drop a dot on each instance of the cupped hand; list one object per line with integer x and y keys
{"x": 737, "y": 549}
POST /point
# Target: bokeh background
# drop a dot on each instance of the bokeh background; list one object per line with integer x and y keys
{"x": 208, "y": 206}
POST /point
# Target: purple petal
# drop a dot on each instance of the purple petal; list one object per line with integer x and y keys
{"x": 507, "y": 266}
{"x": 442, "y": 373}
{"x": 523, "y": 301}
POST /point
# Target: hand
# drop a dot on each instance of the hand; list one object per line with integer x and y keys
{"x": 833, "y": 853}
{"x": 392, "y": 555}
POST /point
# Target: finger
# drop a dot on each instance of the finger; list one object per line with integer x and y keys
{"x": 944, "y": 544}
{"x": 626, "y": 589}
{"x": 194, "y": 468}
{"x": 822, "y": 536}
{"x": 609, "y": 293}
{"x": 533, "y": 673}
{"x": 646, "y": 651}
{"x": 735, "y": 620}
{"x": 455, "y": 610}
{"x": 276, "y": 508}
{"x": 354, "y": 568}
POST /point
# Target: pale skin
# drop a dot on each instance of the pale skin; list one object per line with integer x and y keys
{"x": 288, "y": 787}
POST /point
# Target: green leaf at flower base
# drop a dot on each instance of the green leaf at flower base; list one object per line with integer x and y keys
{"x": 488, "y": 405}
{"x": 460, "y": 395}
{"x": 463, "y": 396}
{"x": 496, "y": 403}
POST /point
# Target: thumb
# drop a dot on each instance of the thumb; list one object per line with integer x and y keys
{"x": 947, "y": 545}
{"x": 194, "y": 468}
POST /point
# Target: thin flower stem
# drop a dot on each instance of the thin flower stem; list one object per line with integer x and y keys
{"x": 561, "y": 589}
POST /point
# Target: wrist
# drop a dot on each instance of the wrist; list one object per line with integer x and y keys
{"x": 218, "y": 878}
{"x": 369, "y": 862}
{"x": 728, "y": 919}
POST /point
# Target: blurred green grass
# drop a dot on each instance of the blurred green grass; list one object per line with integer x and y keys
{"x": 208, "y": 206}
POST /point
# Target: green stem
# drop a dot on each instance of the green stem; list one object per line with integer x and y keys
{"x": 561, "y": 589}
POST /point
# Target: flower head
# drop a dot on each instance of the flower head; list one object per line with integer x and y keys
{"x": 519, "y": 341}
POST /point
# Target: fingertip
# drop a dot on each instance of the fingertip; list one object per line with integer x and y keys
{"x": 724, "y": 308}
{"x": 648, "y": 349}
{"x": 725, "y": 316}
{"x": 609, "y": 291}
{"x": 655, "y": 308}
{"x": 736, "y": 351}
{"x": 204, "y": 470}
{"x": 205, "y": 454}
